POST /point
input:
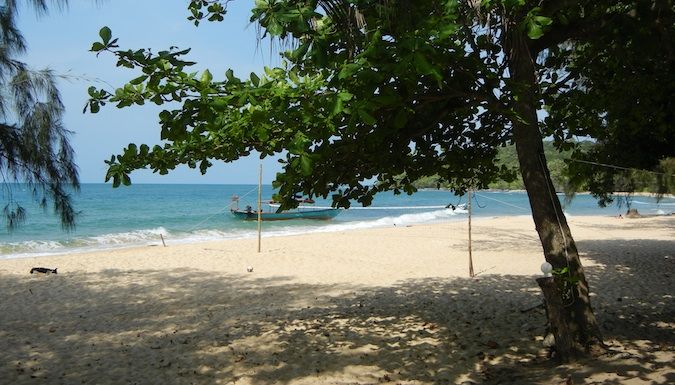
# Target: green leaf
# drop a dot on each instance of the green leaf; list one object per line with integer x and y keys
{"x": 367, "y": 118}
{"x": 105, "y": 34}
{"x": 306, "y": 165}
{"x": 348, "y": 70}
{"x": 138, "y": 80}
{"x": 116, "y": 181}
{"x": 345, "y": 96}
{"x": 299, "y": 144}
{"x": 447, "y": 30}
{"x": 422, "y": 65}
{"x": 204, "y": 165}
{"x": 206, "y": 77}
{"x": 401, "y": 118}
{"x": 534, "y": 31}
{"x": 543, "y": 20}
{"x": 144, "y": 150}
{"x": 255, "y": 80}
{"x": 337, "y": 107}
{"x": 229, "y": 74}
{"x": 294, "y": 77}
{"x": 97, "y": 47}
{"x": 274, "y": 28}
{"x": 301, "y": 51}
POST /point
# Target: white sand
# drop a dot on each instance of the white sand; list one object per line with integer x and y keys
{"x": 390, "y": 305}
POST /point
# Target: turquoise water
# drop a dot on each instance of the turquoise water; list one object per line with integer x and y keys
{"x": 137, "y": 215}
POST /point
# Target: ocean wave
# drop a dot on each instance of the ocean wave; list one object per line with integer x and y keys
{"x": 278, "y": 229}
{"x": 654, "y": 203}
{"x": 129, "y": 237}
{"x": 36, "y": 248}
{"x": 206, "y": 235}
{"x": 30, "y": 246}
{"x": 154, "y": 236}
{"x": 388, "y": 221}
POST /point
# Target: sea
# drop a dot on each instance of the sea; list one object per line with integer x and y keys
{"x": 149, "y": 214}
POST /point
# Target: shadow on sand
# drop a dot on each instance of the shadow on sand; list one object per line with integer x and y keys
{"x": 194, "y": 327}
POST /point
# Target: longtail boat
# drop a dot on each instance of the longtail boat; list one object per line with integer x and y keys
{"x": 301, "y": 213}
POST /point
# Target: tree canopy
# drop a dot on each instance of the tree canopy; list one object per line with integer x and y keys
{"x": 617, "y": 78}
{"x": 425, "y": 84}
{"x": 34, "y": 144}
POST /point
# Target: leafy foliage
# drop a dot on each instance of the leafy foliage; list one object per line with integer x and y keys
{"x": 616, "y": 86}
{"x": 348, "y": 108}
{"x": 34, "y": 145}
{"x": 215, "y": 10}
{"x": 361, "y": 97}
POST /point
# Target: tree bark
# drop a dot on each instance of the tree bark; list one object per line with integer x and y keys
{"x": 557, "y": 319}
{"x": 550, "y": 222}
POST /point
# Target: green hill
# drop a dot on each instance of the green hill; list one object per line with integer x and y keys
{"x": 507, "y": 156}
{"x": 628, "y": 180}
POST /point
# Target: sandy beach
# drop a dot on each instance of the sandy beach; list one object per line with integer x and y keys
{"x": 380, "y": 306}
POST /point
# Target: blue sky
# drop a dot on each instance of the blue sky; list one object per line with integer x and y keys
{"x": 61, "y": 40}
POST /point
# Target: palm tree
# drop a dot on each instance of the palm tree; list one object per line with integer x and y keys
{"x": 34, "y": 144}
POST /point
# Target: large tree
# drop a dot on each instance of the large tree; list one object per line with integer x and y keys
{"x": 34, "y": 144}
{"x": 385, "y": 90}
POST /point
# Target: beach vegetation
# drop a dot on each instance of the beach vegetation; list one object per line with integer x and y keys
{"x": 35, "y": 150}
{"x": 393, "y": 92}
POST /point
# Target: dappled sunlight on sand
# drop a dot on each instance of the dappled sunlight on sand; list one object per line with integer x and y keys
{"x": 340, "y": 312}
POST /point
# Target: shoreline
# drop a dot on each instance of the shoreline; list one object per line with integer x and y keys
{"x": 45, "y": 240}
{"x": 385, "y": 305}
{"x": 275, "y": 234}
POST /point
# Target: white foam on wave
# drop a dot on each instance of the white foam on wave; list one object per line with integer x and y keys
{"x": 136, "y": 238}
{"x": 30, "y": 246}
{"x": 146, "y": 237}
{"x": 654, "y": 203}
{"x": 400, "y": 220}
{"x": 83, "y": 244}
{"x": 126, "y": 238}
{"x": 210, "y": 235}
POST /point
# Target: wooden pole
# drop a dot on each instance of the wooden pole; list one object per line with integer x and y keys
{"x": 162, "y": 237}
{"x": 471, "y": 274}
{"x": 260, "y": 207}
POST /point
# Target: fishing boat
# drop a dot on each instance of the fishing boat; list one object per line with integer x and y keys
{"x": 313, "y": 213}
{"x": 271, "y": 214}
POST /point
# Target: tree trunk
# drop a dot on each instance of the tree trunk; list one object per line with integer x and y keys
{"x": 551, "y": 224}
{"x": 558, "y": 320}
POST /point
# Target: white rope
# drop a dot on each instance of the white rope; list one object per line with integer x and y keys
{"x": 370, "y": 208}
{"x": 499, "y": 201}
{"x": 551, "y": 194}
{"x": 219, "y": 212}
{"x": 618, "y": 167}
{"x": 655, "y": 203}
{"x": 205, "y": 220}
{"x": 244, "y": 196}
